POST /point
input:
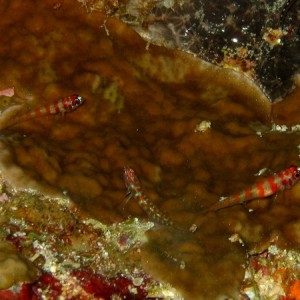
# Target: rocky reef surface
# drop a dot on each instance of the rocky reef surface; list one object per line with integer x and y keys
{"x": 192, "y": 131}
{"x": 258, "y": 38}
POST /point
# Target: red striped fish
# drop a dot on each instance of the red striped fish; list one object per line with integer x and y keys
{"x": 264, "y": 188}
{"x": 64, "y": 105}
{"x": 135, "y": 191}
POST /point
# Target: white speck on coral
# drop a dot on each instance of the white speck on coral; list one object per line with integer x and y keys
{"x": 132, "y": 289}
{"x": 273, "y": 250}
{"x": 261, "y": 172}
{"x": 236, "y": 238}
{"x": 279, "y": 128}
{"x": 182, "y": 265}
{"x": 295, "y": 128}
{"x": 193, "y": 228}
{"x": 203, "y": 126}
{"x": 53, "y": 269}
{"x": 222, "y": 198}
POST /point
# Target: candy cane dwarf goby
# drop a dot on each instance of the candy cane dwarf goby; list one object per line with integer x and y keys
{"x": 135, "y": 191}
{"x": 64, "y": 105}
{"x": 264, "y": 188}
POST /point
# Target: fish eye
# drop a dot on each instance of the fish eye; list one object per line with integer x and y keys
{"x": 77, "y": 100}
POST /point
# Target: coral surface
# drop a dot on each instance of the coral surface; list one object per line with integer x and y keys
{"x": 259, "y": 38}
{"x": 192, "y": 131}
{"x": 69, "y": 255}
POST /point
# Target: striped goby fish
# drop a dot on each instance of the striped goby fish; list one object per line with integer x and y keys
{"x": 63, "y": 105}
{"x": 135, "y": 191}
{"x": 263, "y": 188}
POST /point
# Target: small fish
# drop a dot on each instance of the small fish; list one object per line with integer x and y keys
{"x": 264, "y": 188}
{"x": 64, "y": 105}
{"x": 135, "y": 191}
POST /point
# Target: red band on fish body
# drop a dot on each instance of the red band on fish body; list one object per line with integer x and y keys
{"x": 264, "y": 188}
{"x": 133, "y": 185}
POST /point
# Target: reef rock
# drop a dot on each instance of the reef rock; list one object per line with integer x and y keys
{"x": 257, "y": 38}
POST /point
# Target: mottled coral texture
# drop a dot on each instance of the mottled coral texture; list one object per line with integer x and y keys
{"x": 143, "y": 107}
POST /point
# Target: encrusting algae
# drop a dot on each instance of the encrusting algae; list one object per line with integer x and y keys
{"x": 70, "y": 255}
{"x": 185, "y": 127}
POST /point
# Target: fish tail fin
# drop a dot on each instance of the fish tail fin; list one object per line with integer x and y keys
{"x": 124, "y": 201}
{"x": 223, "y": 203}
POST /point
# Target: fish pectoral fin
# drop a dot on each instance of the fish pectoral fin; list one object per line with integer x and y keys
{"x": 274, "y": 198}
